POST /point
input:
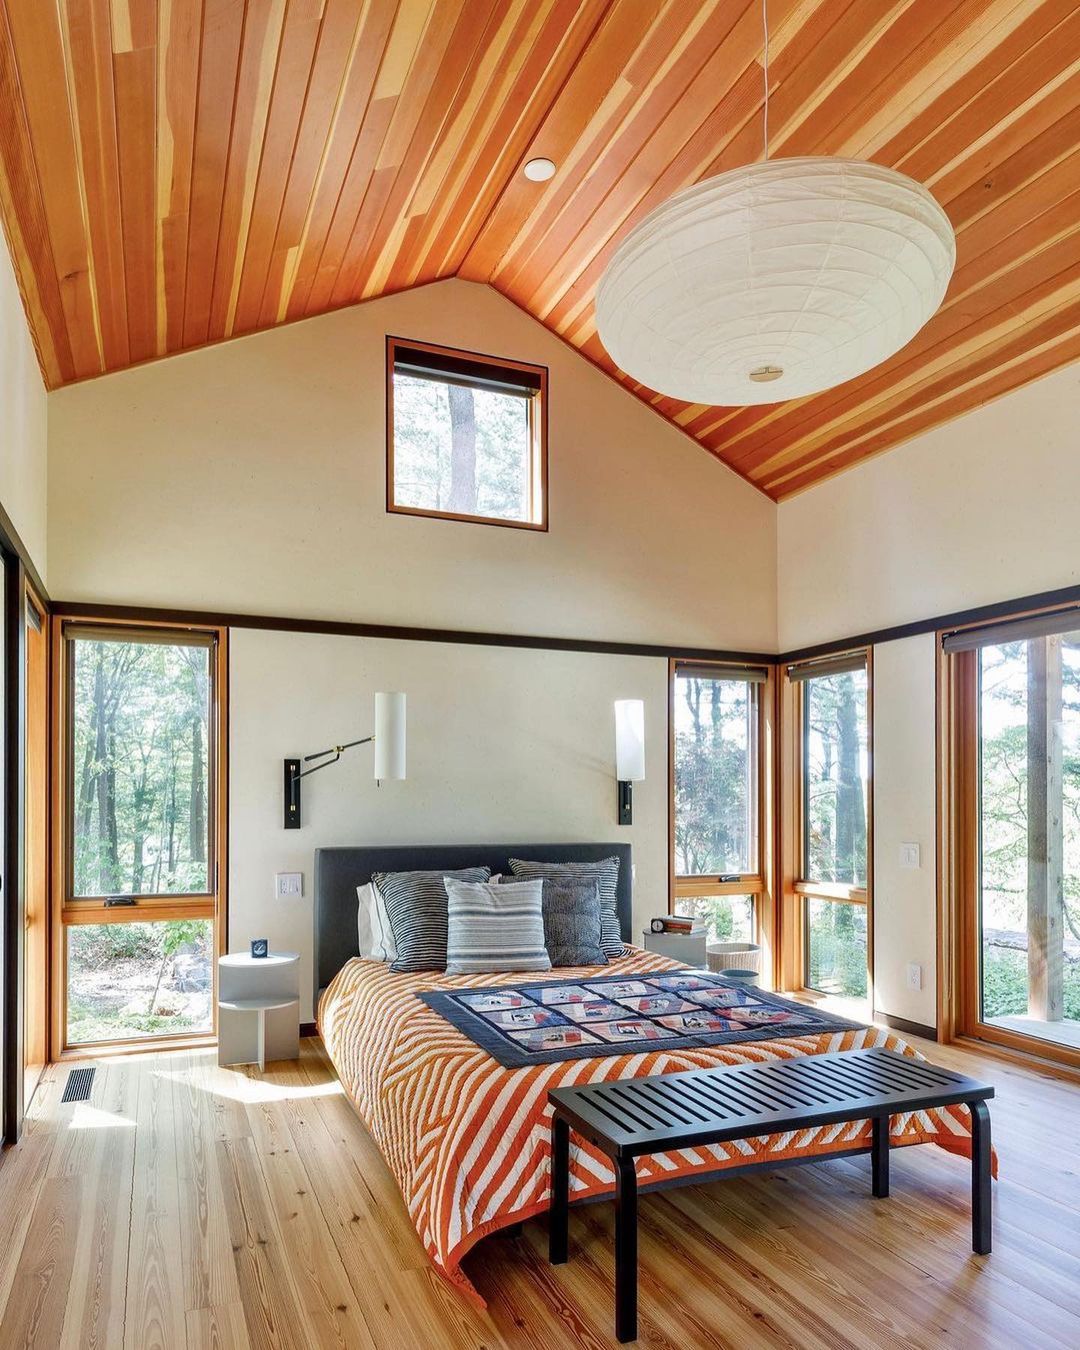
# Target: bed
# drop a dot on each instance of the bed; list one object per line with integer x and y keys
{"x": 467, "y": 1139}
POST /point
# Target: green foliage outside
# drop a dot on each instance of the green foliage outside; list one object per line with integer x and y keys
{"x": 836, "y": 950}
{"x": 459, "y": 449}
{"x": 138, "y": 979}
{"x": 730, "y": 918}
{"x": 1005, "y": 702}
{"x": 141, "y": 715}
{"x": 715, "y": 754}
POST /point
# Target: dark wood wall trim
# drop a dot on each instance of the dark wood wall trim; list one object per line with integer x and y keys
{"x": 340, "y": 628}
{"x": 12, "y": 543}
{"x": 907, "y": 1028}
{"x": 980, "y": 614}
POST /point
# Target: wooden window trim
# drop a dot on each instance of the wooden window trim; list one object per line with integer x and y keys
{"x": 958, "y": 937}
{"x": 538, "y": 433}
{"x": 760, "y": 886}
{"x": 795, "y": 887}
{"x": 67, "y": 910}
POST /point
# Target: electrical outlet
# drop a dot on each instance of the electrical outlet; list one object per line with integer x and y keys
{"x": 288, "y": 885}
{"x": 914, "y": 975}
{"x": 910, "y": 855}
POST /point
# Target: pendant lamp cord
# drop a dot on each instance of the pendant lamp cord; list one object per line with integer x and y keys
{"x": 765, "y": 72}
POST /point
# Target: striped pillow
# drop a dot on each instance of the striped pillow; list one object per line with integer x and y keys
{"x": 416, "y": 907}
{"x": 606, "y": 875}
{"x": 495, "y": 927}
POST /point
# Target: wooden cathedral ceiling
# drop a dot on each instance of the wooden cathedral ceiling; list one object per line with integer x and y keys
{"x": 174, "y": 172}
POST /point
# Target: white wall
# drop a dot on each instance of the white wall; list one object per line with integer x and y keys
{"x": 250, "y": 476}
{"x": 503, "y": 745}
{"x": 905, "y": 811}
{"x": 981, "y": 509}
{"x": 23, "y": 458}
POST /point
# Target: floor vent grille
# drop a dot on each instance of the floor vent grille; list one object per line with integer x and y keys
{"x": 79, "y": 1083}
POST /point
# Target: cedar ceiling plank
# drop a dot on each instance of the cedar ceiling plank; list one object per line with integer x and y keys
{"x": 134, "y": 73}
{"x": 654, "y": 132}
{"x": 997, "y": 243}
{"x": 476, "y": 39}
{"x": 1020, "y": 305}
{"x": 90, "y": 61}
{"x": 27, "y": 230}
{"x": 178, "y": 86}
{"x": 37, "y": 42}
{"x": 334, "y": 181}
{"x": 254, "y": 84}
{"x": 441, "y": 62}
{"x": 664, "y": 73}
{"x": 1020, "y": 28}
{"x": 580, "y": 103}
{"x": 223, "y": 24}
{"x": 483, "y": 132}
{"x": 551, "y": 60}
{"x": 923, "y": 414}
{"x": 303, "y": 23}
{"x": 329, "y": 81}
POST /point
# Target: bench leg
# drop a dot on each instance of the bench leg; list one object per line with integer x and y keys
{"x": 625, "y": 1250}
{"x": 879, "y": 1155}
{"x": 981, "y": 1208}
{"x": 559, "y": 1214}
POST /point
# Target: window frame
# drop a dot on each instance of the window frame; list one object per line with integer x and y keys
{"x": 759, "y": 885}
{"x": 538, "y": 431}
{"x": 799, "y": 888}
{"x": 959, "y": 986}
{"x": 69, "y": 909}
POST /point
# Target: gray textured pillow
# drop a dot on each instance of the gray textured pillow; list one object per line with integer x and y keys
{"x": 495, "y": 927}
{"x": 606, "y": 875}
{"x": 573, "y": 924}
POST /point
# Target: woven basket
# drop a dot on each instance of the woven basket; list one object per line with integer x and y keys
{"x": 734, "y": 956}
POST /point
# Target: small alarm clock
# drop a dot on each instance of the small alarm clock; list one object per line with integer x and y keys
{"x": 260, "y": 947}
{"x": 657, "y": 925}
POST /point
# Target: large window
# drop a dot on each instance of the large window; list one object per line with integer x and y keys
{"x": 466, "y": 436}
{"x": 832, "y": 700}
{"x": 141, "y": 737}
{"x": 717, "y": 799}
{"x": 1022, "y": 742}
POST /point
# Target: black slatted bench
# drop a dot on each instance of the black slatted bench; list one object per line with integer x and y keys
{"x": 628, "y": 1118}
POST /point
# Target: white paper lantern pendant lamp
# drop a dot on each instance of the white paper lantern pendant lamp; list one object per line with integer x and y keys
{"x": 776, "y": 280}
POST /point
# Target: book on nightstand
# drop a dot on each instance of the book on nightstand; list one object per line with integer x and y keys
{"x": 677, "y": 923}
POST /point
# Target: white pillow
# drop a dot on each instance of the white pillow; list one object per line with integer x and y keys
{"x": 374, "y": 935}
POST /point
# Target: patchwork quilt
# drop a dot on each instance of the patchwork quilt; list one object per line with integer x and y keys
{"x": 468, "y": 1139}
{"x": 542, "y": 1023}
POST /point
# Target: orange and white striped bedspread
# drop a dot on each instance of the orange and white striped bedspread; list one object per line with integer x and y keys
{"x": 469, "y": 1140}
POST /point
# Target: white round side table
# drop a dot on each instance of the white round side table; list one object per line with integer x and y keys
{"x": 258, "y": 1007}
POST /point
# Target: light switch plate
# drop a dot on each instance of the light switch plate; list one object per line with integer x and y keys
{"x": 288, "y": 885}
{"x": 910, "y": 855}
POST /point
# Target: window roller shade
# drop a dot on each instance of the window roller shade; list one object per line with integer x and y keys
{"x": 1013, "y": 630}
{"x": 842, "y": 664}
{"x": 454, "y": 368}
{"x": 688, "y": 670}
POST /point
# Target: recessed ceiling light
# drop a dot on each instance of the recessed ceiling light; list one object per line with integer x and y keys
{"x": 539, "y": 170}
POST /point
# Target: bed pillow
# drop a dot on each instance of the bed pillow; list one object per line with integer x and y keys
{"x": 573, "y": 923}
{"x": 375, "y": 937}
{"x": 606, "y": 875}
{"x": 416, "y": 908}
{"x": 495, "y": 927}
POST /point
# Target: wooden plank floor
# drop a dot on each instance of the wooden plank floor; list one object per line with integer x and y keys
{"x": 195, "y": 1206}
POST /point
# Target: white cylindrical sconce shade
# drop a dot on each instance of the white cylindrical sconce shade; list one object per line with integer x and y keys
{"x": 629, "y": 740}
{"x": 389, "y": 736}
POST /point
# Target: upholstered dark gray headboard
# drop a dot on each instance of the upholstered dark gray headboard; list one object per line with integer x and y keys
{"x": 338, "y": 872}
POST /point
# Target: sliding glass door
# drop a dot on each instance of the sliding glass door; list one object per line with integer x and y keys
{"x": 1017, "y": 830}
{"x": 142, "y": 841}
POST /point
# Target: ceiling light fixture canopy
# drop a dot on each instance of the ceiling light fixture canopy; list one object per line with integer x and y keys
{"x": 776, "y": 280}
{"x": 539, "y": 170}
